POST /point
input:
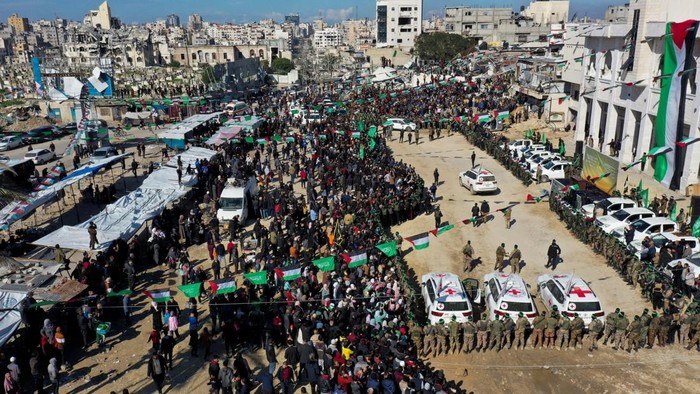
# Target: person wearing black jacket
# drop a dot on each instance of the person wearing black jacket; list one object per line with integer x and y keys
{"x": 553, "y": 255}
{"x": 291, "y": 355}
{"x": 156, "y": 370}
{"x": 167, "y": 344}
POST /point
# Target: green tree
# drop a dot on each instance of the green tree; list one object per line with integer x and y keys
{"x": 174, "y": 64}
{"x": 208, "y": 74}
{"x": 282, "y": 66}
{"x": 442, "y": 46}
{"x": 330, "y": 62}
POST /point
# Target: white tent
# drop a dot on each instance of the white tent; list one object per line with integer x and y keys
{"x": 10, "y": 317}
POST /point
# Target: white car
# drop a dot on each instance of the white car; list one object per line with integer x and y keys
{"x": 661, "y": 239}
{"x": 608, "y": 205}
{"x": 445, "y": 296}
{"x": 10, "y": 142}
{"x": 103, "y": 153}
{"x": 311, "y": 117}
{"x": 507, "y": 294}
{"x": 40, "y": 156}
{"x": 402, "y": 124}
{"x": 519, "y": 145}
{"x": 526, "y": 153}
{"x": 693, "y": 262}
{"x": 552, "y": 169}
{"x": 647, "y": 226}
{"x": 478, "y": 180}
{"x": 622, "y": 218}
{"x": 570, "y": 294}
{"x": 538, "y": 157}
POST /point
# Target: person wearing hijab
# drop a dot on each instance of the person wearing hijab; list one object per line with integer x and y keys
{"x": 48, "y": 330}
{"x": 54, "y": 375}
{"x": 11, "y": 387}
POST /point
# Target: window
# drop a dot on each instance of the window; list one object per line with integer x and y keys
{"x": 493, "y": 289}
{"x": 182, "y": 56}
{"x": 399, "y": 40}
{"x": 225, "y": 55}
{"x": 556, "y": 293}
{"x": 431, "y": 290}
{"x": 484, "y": 26}
{"x": 213, "y": 56}
{"x": 194, "y": 56}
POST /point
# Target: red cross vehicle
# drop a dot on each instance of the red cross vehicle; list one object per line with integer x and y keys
{"x": 507, "y": 294}
{"x": 570, "y": 295}
{"x": 445, "y": 296}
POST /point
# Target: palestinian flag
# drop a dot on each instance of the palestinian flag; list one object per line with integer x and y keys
{"x": 257, "y": 278}
{"x": 599, "y": 177}
{"x": 481, "y": 118}
{"x": 191, "y": 290}
{"x": 419, "y": 241}
{"x": 470, "y": 220}
{"x": 355, "y": 134}
{"x": 627, "y": 167}
{"x": 501, "y": 114}
{"x": 388, "y": 248}
{"x": 562, "y": 99}
{"x": 687, "y": 141}
{"x": 162, "y": 295}
{"x": 322, "y": 137}
{"x": 289, "y": 273}
{"x": 654, "y": 152}
{"x": 339, "y": 132}
{"x": 355, "y": 259}
{"x": 325, "y": 264}
{"x": 222, "y": 286}
{"x": 442, "y": 230}
{"x": 262, "y": 141}
{"x": 530, "y": 197}
{"x": 678, "y": 58}
{"x": 459, "y": 119}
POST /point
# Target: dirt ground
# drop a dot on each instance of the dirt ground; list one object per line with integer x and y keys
{"x": 535, "y": 226}
{"x": 123, "y": 364}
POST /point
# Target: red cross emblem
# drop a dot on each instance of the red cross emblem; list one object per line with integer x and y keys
{"x": 580, "y": 292}
{"x": 441, "y": 275}
{"x": 504, "y": 275}
{"x": 450, "y": 291}
{"x": 514, "y": 292}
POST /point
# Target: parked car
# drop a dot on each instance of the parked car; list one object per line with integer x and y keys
{"x": 570, "y": 294}
{"x": 478, "y": 180}
{"x": 553, "y": 169}
{"x": 40, "y": 156}
{"x": 693, "y": 262}
{"x": 507, "y": 294}
{"x": 445, "y": 297}
{"x": 38, "y": 135}
{"x": 662, "y": 239}
{"x": 402, "y": 124}
{"x": 10, "y": 142}
{"x": 538, "y": 157}
{"x": 648, "y": 226}
{"x": 519, "y": 145}
{"x": 608, "y": 205}
{"x": 622, "y": 218}
{"x": 103, "y": 153}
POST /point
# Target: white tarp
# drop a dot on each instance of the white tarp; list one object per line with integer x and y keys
{"x": 179, "y": 130}
{"x": 124, "y": 218}
{"x": 138, "y": 115}
{"x": 190, "y": 156}
{"x": 10, "y": 317}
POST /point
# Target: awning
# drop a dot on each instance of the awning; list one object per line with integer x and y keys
{"x": 224, "y": 134}
{"x": 10, "y": 318}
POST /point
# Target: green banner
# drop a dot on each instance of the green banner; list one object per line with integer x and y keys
{"x": 325, "y": 264}
{"x": 257, "y": 278}
{"x": 191, "y": 290}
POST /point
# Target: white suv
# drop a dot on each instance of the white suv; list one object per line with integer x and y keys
{"x": 507, "y": 294}
{"x": 478, "y": 180}
{"x": 622, "y": 218}
{"x": 608, "y": 205}
{"x": 570, "y": 294}
{"x": 402, "y": 124}
{"x": 445, "y": 297}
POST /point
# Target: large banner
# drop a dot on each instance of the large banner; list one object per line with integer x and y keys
{"x": 678, "y": 62}
{"x": 601, "y": 169}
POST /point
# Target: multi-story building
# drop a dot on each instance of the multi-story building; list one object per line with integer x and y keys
{"x": 546, "y": 12}
{"x": 620, "y": 85}
{"x": 617, "y": 13}
{"x": 101, "y": 18}
{"x": 399, "y": 22}
{"x": 495, "y": 26}
{"x": 195, "y": 22}
{"x": 18, "y": 24}
{"x": 172, "y": 21}
{"x": 325, "y": 38}
{"x": 292, "y": 18}
{"x": 357, "y": 33}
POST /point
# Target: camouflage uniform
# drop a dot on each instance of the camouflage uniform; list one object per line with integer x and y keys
{"x": 538, "y": 327}
{"x": 482, "y": 334}
{"x": 416, "y": 333}
{"x": 509, "y": 326}
{"x": 440, "y": 335}
{"x": 496, "y": 333}
{"x": 453, "y": 328}
{"x": 520, "y": 326}
{"x": 468, "y": 332}
{"x": 594, "y": 330}
{"x": 428, "y": 338}
{"x": 563, "y": 332}
{"x": 577, "y": 326}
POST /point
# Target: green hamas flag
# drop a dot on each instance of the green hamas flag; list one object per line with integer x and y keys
{"x": 644, "y": 194}
{"x": 119, "y": 293}
{"x": 361, "y": 126}
{"x": 372, "y": 132}
{"x": 325, "y": 264}
{"x": 277, "y": 138}
{"x": 191, "y": 290}
{"x": 249, "y": 140}
{"x": 696, "y": 228}
{"x": 562, "y": 148}
{"x": 388, "y": 248}
{"x": 372, "y": 144}
{"x": 257, "y": 278}
{"x": 362, "y": 152}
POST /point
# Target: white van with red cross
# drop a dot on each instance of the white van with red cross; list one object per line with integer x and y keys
{"x": 507, "y": 294}
{"x": 569, "y": 295}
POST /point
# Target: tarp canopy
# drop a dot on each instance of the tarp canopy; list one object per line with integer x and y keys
{"x": 175, "y": 135}
{"x": 10, "y": 317}
{"x": 137, "y": 115}
{"x": 224, "y": 134}
{"x": 190, "y": 156}
{"x": 17, "y": 210}
{"x": 246, "y": 123}
{"x": 123, "y": 218}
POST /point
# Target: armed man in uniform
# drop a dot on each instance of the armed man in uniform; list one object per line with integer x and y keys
{"x": 440, "y": 336}
{"x": 482, "y": 333}
{"x": 453, "y": 328}
{"x": 496, "y": 333}
{"x": 610, "y": 325}
{"x": 508, "y": 327}
{"x": 520, "y": 327}
{"x": 468, "y": 332}
{"x": 416, "y": 334}
{"x": 549, "y": 330}
{"x": 577, "y": 326}
{"x": 594, "y": 330}
{"x": 621, "y": 325}
{"x": 428, "y": 338}
{"x": 538, "y": 326}
{"x": 634, "y": 331}
{"x": 563, "y": 332}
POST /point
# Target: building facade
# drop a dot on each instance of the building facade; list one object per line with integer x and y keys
{"x": 172, "y": 21}
{"x": 325, "y": 38}
{"x": 399, "y": 22}
{"x": 195, "y": 22}
{"x": 18, "y": 24}
{"x": 494, "y": 25}
{"x": 546, "y": 12}
{"x": 619, "y": 92}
